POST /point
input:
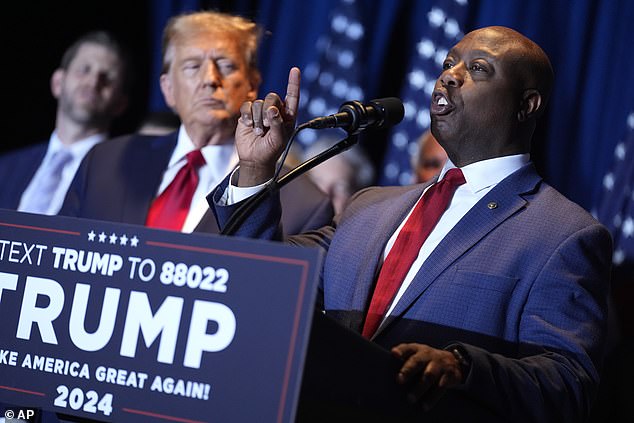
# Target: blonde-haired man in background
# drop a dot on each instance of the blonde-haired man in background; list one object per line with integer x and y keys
{"x": 209, "y": 70}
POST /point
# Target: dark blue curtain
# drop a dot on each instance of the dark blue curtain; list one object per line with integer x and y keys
{"x": 588, "y": 42}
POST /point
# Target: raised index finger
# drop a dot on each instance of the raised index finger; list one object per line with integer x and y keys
{"x": 292, "y": 92}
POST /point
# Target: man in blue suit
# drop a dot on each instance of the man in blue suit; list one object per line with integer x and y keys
{"x": 90, "y": 90}
{"x": 501, "y": 315}
{"x": 209, "y": 70}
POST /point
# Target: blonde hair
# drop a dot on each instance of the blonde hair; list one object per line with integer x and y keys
{"x": 246, "y": 34}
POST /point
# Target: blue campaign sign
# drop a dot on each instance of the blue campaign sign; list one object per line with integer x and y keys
{"x": 117, "y": 322}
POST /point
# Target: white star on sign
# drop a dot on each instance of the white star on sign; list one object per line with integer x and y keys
{"x": 123, "y": 240}
{"x": 91, "y": 235}
{"x": 134, "y": 241}
{"x": 113, "y": 238}
{"x": 102, "y": 237}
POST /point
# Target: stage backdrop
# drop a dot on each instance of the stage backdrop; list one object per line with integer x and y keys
{"x": 588, "y": 42}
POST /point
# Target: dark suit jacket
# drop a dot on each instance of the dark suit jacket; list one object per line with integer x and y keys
{"x": 17, "y": 168}
{"x": 16, "y": 171}
{"x": 521, "y": 282}
{"x": 118, "y": 179}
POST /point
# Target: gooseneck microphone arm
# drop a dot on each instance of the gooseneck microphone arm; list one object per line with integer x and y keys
{"x": 340, "y": 147}
{"x": 354, "y": 117}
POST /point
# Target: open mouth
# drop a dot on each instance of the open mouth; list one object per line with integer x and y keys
{"x": 440, "y": 105}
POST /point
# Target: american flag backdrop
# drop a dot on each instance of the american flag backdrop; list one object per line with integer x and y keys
{"x": 437, "y": 29}
{"x": 338, "y": 73}
{"x": 335, "y": 76}
{"x": 616, "y": 208}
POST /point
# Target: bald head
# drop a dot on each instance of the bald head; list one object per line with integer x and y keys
{"x": 529, "y": 62}
{"x": 494, "y": 85}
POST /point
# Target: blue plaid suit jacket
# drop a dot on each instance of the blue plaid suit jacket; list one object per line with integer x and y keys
{"x": 522, "y": 285}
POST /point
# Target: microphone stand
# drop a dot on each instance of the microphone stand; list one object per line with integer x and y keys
{"x": 246, "y": 209}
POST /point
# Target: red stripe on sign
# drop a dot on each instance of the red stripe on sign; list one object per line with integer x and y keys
{"x": 160, "y": 416}
{"x": 24, "y": 391}
{"x": 38, "y": 228}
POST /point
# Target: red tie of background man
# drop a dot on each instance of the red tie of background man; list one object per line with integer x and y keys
{"x": 169, "y": 210}
{"x": 407, "y": 246}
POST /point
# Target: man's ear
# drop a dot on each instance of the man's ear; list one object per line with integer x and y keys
{"x": 167, "y": 89}
{"x": 530, "y": 106}
{"x": 252, "y": 94}
{"x": 254, "y": 82}
{"x": 56, "y": 82}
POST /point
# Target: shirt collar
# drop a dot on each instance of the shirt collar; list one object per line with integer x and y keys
{"x": 485, "y": 173}
{"x": 78, "y": 148}
{"x": 212, "y": 153}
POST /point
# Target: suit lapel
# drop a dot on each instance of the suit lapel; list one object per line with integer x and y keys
{"x": 379, "y": 221}
{"x": 499, "y": 204}
{"x": 146, "y": 167}
{"x": 28, "y": 163}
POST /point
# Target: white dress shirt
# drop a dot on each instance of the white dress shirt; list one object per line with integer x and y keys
{"x": 219, "y": 161}
{"x": 78, "y": 150}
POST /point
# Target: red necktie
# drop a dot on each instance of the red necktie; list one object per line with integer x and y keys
{"x": 169, "y": 210}
{"x": 407, "y": 246}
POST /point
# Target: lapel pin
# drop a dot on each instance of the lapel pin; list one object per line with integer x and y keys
{"x": 492, "y": 205}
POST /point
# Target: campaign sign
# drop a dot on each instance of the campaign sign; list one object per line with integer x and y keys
{"x": 115, "y": 322}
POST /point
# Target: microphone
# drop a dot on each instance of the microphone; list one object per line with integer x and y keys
{"x": 354, "y": 116}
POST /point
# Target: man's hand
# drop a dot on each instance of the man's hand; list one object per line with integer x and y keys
{"x": 430, "y": 372}
{"x": 263, "y": 130}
